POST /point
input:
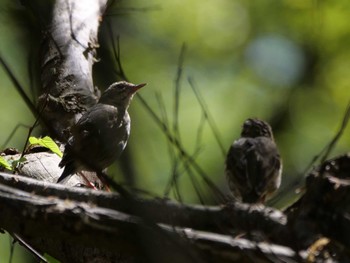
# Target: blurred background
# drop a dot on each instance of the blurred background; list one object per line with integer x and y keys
{"x": 285, "y": 62}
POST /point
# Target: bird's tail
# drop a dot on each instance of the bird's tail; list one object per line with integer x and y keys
{"x": 69, "y": 169}
{"x": 253, "y": 197}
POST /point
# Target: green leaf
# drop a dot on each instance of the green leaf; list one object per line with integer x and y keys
{"x": 48, "y": 143}
{"x": 34, "y": 140}
{"x": 15, "y": 163}
{"x": 5, "y": 164}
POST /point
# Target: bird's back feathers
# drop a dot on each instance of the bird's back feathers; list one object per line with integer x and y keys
{"x": 250, "y": 163}
{"x": 98, "y": 138}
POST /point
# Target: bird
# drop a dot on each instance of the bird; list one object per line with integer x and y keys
{"x": 101, "y": 134}
{"x": 253, "y": 163}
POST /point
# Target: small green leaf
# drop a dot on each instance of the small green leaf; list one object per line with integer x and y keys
{"x": 15, "y": 163}
{"x": 48, "y": 143}
{"x": 34, "y": 140}
{"x": 5, "y": 164}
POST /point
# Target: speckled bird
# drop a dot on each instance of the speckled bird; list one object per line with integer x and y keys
{"x": 101, "y": 134}
{"x": 253, "y": 163}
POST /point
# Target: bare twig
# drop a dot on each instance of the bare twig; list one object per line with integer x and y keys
{"x": 172, "y": 155}
{"x": 207, "y": 115}
{"x": 18, "y": 86}
{"x": 32, "y": 128}
{"x": 175, "y": 127}
{"x": 117, "y": 54}
{"x": 165, "y": 128}
{"x": 20, "y": 125}
{"x": 199, "y": 133}
{"x": 338, "y": 135}
{"x": 323, "y": 155}
{"x": 180, "y": 148}
{"x": 29, "y": 248}
{"x": 177, "y": 92}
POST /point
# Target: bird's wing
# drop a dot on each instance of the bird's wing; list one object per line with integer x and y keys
{"x": 97, "y": 118}
{"x": 88, "y": 132}
{"x": 265, "y": 166}
{"x": 237, "y": 164}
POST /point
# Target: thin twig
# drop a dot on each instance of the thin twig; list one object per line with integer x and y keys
{"x": 20, "y": 125}
{"x": 116, "y": 53}
{"x": 181, "y": 149}
{"x": 174, "y": 183}
{"x": 29, "y": 248}
{"x": 32, "y": 128}
{"x": 18, "y": 86}
{"x": 172, "y": 155}
{"x": 175, "y": 161}
{"x": 336, "y": 138}
{"x": 324, "y": 153}
{"x": 177, "y": 92}
{"x": 200, "y": 130}
{"x": 195, "y": 184}
{"x": 207, "y": 115}
{"x": 173, "y": 140}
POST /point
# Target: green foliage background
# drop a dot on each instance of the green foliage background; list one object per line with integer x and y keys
{"x": 283, "y": 61}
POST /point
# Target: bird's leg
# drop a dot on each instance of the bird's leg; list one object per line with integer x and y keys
{"x": 107, "y": 187}
{"x": 91, "y": 185}
{"x": 103, "y": 181}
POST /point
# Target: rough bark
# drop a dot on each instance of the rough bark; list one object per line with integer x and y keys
{"x": 125, "y": 230}
{"x": 67, "y": 55}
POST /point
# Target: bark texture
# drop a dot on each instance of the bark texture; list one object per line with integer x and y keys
{"x": 67, "y": 55}
{"x": 62, "y": 221}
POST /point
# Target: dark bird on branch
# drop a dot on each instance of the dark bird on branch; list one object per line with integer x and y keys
{"x": 101, "y": 134}
{"x": 253, "y": 164}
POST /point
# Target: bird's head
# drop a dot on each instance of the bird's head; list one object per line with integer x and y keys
{"x": 120, "y": 93}
{"x": 256, "y": 128}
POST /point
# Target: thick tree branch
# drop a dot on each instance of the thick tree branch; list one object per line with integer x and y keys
{"x": 76, "y": 221}
{"x": 317, "y": 223}
{"x": 235, "y": 216}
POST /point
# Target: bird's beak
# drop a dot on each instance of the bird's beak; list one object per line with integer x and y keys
{"x": 139, "y": 86}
